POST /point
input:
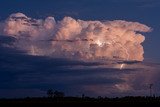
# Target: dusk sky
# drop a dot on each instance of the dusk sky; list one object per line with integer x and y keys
{"x": 92, "y": 47}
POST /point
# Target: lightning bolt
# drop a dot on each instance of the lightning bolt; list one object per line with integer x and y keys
{"x": 121, "y": 66}
{"x": 126, "y": 51}
{"x": 33, "y": 50}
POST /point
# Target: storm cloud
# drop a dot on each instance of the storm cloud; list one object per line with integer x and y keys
{"x": 73, "y": 56}
{"x": 71, "y": 38}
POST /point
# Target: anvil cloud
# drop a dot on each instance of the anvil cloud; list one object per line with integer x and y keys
{"x": 71, "y": 38}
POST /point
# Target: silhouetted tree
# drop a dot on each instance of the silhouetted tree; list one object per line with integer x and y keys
{"x": 50, "y": 93}
{"x": 150, "y": 89}
{"x": 58, "y": 94}
{"x": 100, "y": 97}
{"x": 83, "y": 95}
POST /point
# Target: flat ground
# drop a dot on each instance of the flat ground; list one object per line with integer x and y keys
{"x": 81, "y": 102}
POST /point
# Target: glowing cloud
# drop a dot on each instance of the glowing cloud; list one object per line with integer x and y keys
{"x": 70, "y": 38}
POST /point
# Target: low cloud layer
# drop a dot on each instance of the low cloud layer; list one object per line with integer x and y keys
{"x": 71, "y": 38}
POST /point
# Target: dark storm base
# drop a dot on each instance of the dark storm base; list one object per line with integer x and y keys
{"x": 81, "y": 102}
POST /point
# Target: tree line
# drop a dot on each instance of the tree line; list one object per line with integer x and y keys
{"x": 56, "y": 94}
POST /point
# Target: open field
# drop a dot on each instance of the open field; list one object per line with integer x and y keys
{"x": 81, "y": 102}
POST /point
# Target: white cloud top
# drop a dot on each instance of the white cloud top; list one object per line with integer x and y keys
{"x": 70, "y": 38}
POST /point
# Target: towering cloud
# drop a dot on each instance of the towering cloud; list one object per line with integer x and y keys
{"x": 70, "y": 38}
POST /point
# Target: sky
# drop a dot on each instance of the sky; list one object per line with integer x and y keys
{"x": 43, "y": 53}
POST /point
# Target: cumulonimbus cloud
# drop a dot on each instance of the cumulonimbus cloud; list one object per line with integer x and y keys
{"x": 71, "y": 38}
